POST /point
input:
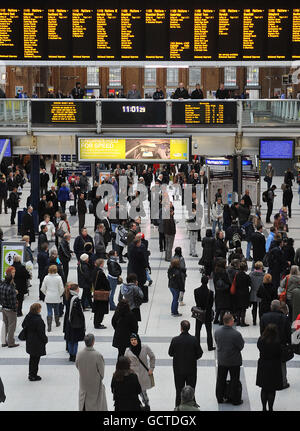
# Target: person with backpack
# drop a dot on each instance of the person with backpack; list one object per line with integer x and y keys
{"x": 233, "y": 235}
{"x": 133, "y": 294}
{"x": 269, "y": 199}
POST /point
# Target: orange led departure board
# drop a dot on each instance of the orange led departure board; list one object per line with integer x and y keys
{"x": 150, "y": 31}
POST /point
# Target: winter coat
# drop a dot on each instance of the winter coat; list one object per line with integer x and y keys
{"x": 185, "y": 350}
{"x": 36, "y": 338}
{"x": 281, "y": 321}
{"x": 63, "y": 194}
{"x": 21, "y": 277}
{"x": 138, "y": 368}
{"x": 204, "y": 298}
{"x": 243, "y": 214}
{"x": 169, "y": 226}
{"x": 220, "y": 248}
{"x": 129, "y": 291}
{"x": 137, "y": 263}
{"x": 72, "y": 334}
{"x": 27, "y": 226}
{"x": 269, "y": 373}
{"x": 256, "y": 278}
{"x": 176, "y": 281}
{"x": 222, "y": 290}
{"x": 90, "y": 365}
{"x": 259, "y": 246}
{"x": 114, "y": 269}
{"x": 293, "y": 283}
{"x": 84, "y": 275}
{"x": 230, "y": 343}
{"x": 266, "y": 292}
{"x": 53, "y": 288}
{"x": 43, "y": 261}
{"x": 126, "y": 393}
{"x": 79, "y": 243}
{"x": 100, "y": 282}
{"x": 243, "y": 282}
{"x": 124, "y": 325}
{"x": 99, "y": 244}
{"x": 209, "y": 246}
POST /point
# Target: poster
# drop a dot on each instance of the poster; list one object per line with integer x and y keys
{"x": 8, "y": 251}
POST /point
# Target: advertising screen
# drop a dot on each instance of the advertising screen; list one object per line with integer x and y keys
{"x": 276, "y": 149}
{"x": 133, "y": 149}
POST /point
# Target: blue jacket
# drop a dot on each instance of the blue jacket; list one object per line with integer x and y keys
{"x": 269, "y": 240}
{"x": 63, "y": 194}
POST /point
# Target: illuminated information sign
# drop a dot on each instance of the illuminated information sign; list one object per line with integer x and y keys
{"x": 204, "y": 113}
{"x": 63, "y": 112}
{"x": 134, "y": 113}
{"x": 149, "y": 32}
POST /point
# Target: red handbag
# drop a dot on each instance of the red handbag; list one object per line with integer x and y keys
{"x": 233, "y": 286}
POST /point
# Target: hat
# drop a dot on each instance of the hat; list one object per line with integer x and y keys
{"x": 84, "y": 257}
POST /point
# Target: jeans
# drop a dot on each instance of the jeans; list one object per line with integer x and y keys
{"x": 214, "y": 224}
{"x": 249, "y": 244}
{"x": 148, "y": 275}
{"x": 174, "y": 305}
{"x": 113, "y": 285}
{"x": 55, "y": 307}
{"x": 72, "y": 348}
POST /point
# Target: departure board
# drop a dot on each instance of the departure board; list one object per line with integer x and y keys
{"x": 253, "y": 34}
{"x": 134, "y": 113}
{"x": 34, "y": 34}
{"x": 278, "y": 34}
{"x": 190, "y": 32}
{"x": 204, "y": 113}
{"x": 229, "y": 34}
{"x": 62, "y": 112}
{"x": 181, "y": 43}
{"x": 132, "y": 43}
{"x": 58, "y": 34}
{"x": 10, "y": 21}
{"x": 205, "y": 41}
{"x": 107, "y": 34}
{"x": 83, "y": 34}
{"x": 156, "y": 34}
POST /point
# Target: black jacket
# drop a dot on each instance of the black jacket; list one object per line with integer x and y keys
{"x": 64, "y": 251}
{"x": 3, "y": 189}
{"x": 124, "y": 325}
{"x": 81, "y": 206}
{"x": 21, "y": 277}
{"x": 185, "y": 350}
{"x": 27, "y": 227}
{"x": 36, "y": 338}
{"x": 204, "y": 298}
{"x": 209, "y": 246}
{"x": 181, "y": 94}
{"x": 222, "y": 290}
{"x": 84, "y": 274}
{"x": 137, "y": 263}
{"x": 259, "y": 246}
{"x": 126, "y": 393}
{"x": 44, "y": 178}
{"x": 176, "y": 279}
{"x": 282, "y": 322}
{"x": 14, "y": 200}
{"x": 266, "y": 292}
{"x": 242, "y": 296}
{"x": 197, "y": 94}
{"x": 43, "y": 262}
{"x": 79, "y": 245}
{"x": 114, "y": 268}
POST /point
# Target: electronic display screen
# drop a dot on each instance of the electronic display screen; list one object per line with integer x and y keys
{"x": 283, "y": 149}
{"x": 204, "y": 113}
{"x": 155, "y": 149}
{"x": 8, "y": 151}
{"x": 148, "y": 32}
{"x": 63, "y": 112}
{"x": 134, "y": 113}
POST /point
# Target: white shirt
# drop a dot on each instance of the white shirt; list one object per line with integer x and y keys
{"x": 51, "y": 230}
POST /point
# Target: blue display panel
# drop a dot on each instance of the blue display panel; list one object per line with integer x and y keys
{"x": 8, "y": 148}
{"x": 276, "y": 149}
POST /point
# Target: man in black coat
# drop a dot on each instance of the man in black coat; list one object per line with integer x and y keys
{"x": 276, "y": 317}
{"x": 258, "y": 241}
{"x": 43, "y": 262}
{"x": 65, "y": 253}
{"x": 80, "y": 241}
{"x": 181, "y": 92}
{"x": 197, "y": 93}
{"x": 82, "y": 210}
{"x": 44, "y": 179}
{"x": 185, "y": 350}
{"x": 287, "y": 198}
{"x": 51, "y": 195}
{"x": 27, "y": 227}
{"x": 137, "y": 262}
{"x": 13, "y": 204}
{"x": 3, "y": 194}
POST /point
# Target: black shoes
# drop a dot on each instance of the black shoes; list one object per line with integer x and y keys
{"x": 150, "y": 282}
{"x": 72, "y": 358}
{"x": 100, "y": 327}
{"x": 212, "y": 348}
{"x": 34, "y": 378}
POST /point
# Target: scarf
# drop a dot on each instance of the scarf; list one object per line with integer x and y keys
{"x": 74, "y": 295}
{"x": 136, "y": 350}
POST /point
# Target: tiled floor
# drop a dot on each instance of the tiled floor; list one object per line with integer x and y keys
{"x": 58, "y": 389}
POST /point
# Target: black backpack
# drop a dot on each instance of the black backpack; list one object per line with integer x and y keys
{"x": 265, "y": 196}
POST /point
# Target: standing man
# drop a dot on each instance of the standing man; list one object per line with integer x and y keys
{"x": 169, "y": 228}
{"x": 203, "y": 180}
{"x": 221, "y": 93}
{"x": 230, "y": 343}
{"x": 270, "y": 201}
{"x": 197, "y": 93}
{"x": 77, "y": 92}
{"x": 269, "y": 174}
{"x": 13, "y": 204}
{"x": 90, "y": 365}
{"x": 3, "y": 194}
{"x": 82, "y": 210}
{"x": 65, "y": 254}
{"x": 84, "y": 183}
{"x": 217, "y": 215}
{"x": 27, "y": 227}
{"x": 185, "y": 350}
{"x": 258, "y": 241}
{"x": 8, "y": 300}
{"x": 44, "y": 179}
{"x": 134, "y": 93}
{"x": 100, "y": 248}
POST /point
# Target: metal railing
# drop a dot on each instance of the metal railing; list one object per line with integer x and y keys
{"x": 17, "y": 113}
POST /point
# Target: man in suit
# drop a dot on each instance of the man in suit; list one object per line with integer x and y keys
{"x": 27, "y": 227}
{"x": 258, "y": 241}
{"x": 82, "y": 210}
{"x": 185, "y": 350}
{"x": 44, "y": 179}
{"x": 13, "y": 204}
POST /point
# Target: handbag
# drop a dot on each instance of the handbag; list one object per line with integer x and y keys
{"x": 287, "y": 353}
{"x": 199, "y": 314}
{"x": 282, "y": 295}
{"x": 22, "y": 335}
{"x": 233, "y": 286}
{"x": 101, "y": 295}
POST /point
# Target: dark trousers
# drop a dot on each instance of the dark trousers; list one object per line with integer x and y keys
{"x": 41, "y": 295}
{"x": 182, "y": 380}
{"x": 254, "y": 311}
{"x": 269, "y": 211}
{"x": 221, "y": 382}
{"x": 63, "y": 206}
{"x": 81, "y": 218}
{"x": 20, "y": 299}
{"x": 65, "y": 264}
{"x": 33, "y": 365}
{"x": 4, "y": 200}
{"x": 162, "y": 241}
{"x": 98, "y": 318}
{"x": 86, "y": 299}
{"x": 208, "y": 332}
{"x": 13, "y": 215}
{"x": 44, "y": 189}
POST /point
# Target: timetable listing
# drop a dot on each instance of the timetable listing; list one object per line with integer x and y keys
{"x": 33, "y": 33}
{"x": 204, "y": 34}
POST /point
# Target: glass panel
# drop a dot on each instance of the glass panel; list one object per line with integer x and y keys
{"x": 92, "y": 76}
{"x": 172, "y": 76}
{"x": 194, "y": 76}
{"x": 150, "y": 76}
{"x": 115, "y": 76}
{"x": 230, "y": 76}
{"x": 252, "y": 75}
{"x": 13, "y": 112}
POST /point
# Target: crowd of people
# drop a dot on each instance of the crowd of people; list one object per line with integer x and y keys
{"x": 268, "y": 282}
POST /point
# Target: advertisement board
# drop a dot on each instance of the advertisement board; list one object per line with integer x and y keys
{"x": 8, "y": 251}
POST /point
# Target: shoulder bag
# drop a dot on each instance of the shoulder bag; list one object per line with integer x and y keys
{"x": 200, "y": 313}
{"x": 100, "y": 295}
{"x": 233, "y": 286}
{"x": 287, "y": 353}
{"x": 282, "y": 295}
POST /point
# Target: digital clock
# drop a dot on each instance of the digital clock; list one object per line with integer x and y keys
{"x": 134, "y": 109}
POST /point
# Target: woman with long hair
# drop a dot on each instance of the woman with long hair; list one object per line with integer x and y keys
{"x": 269, "y": 373}
{"x": 125, "y": 387}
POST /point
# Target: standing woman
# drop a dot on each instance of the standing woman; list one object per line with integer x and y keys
{"x": 222, "y": 291}
{"x": 266, "y": 292}
{"x": 138, "y": 355}
{"x": 36, "y": 340}
{"x": 21, "y": 279}
{"x": 74, "y": 322}
{"x": 176, "y": 284}
{"x": 178, "y": 255}
{"x": 269, "y": 373}
{"x": 53, "y": 289}
{"x": 256, "y": 277}
{"x": 204, "y": 299}
{"x": 101, "y": 284}
{"x": 242, "y": 295}
{"x": 124, "y": 323}
{"x": 125, "y": 387}
{"x": 209, "y": 245}
{"x": 63, "y": 196}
